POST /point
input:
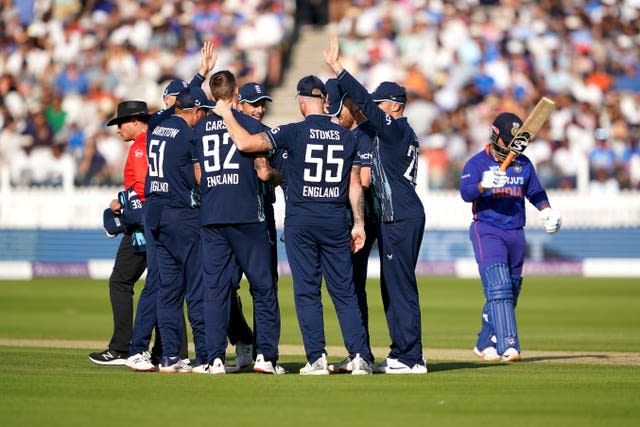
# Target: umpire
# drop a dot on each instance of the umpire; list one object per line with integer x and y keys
{"x": 131, "y": 120}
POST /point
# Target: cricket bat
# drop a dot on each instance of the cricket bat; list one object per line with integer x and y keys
{"x": 529, "y": 129}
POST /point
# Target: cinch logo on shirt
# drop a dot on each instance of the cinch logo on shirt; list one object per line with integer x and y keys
{"x": 324, "y": 134}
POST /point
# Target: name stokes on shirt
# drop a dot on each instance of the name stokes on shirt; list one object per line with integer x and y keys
{"x": 333, "y": 135}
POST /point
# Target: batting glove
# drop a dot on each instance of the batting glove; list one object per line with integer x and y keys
{"x": 493, "y": 179}
{"x": 552, "y": 220}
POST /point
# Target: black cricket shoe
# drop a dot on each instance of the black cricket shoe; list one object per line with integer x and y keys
{"x": 109, "y": 357}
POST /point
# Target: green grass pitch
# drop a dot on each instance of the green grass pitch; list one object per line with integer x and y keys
{"x": 49, "y": 386}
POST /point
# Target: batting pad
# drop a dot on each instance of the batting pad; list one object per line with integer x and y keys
{"x": 498, "y": 290}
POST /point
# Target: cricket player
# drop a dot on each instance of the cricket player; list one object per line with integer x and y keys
{"x": 140, "y": 360}
{"x": 174, "y": 225}
{"x": 350, "y": 117}
{"x": 497, "y": 234}
{"x": 321, "y": 180}
{"x": 395, "y": 155}
{"x": 234, "y": 232}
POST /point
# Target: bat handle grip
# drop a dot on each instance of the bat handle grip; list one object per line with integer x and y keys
{"x": 505, "y": 164}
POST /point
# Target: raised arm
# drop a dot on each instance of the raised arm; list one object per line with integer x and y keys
{"x": 208, "y": 58}
{"x": 356, "y": 199}
{"x": 245, "y": 141}
{"x": 381, "y": 121}
{"x": 332, "y": 54}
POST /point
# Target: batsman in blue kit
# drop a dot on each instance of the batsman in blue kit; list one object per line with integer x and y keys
{"x": 395, "y": 156}
{"x": 234, "y": 231}
{"x": 174, "y": 225}
{"x": 497, "y": 234}
{"x": 320, "y": 181}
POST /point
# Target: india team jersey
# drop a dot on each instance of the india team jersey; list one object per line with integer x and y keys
{"x": 230, "y": 192}
{"x": 319, "y": 158}
{"x": 395, "y": 156}
{"x": 503, "y": 207}
{"x": 170, "y": 151}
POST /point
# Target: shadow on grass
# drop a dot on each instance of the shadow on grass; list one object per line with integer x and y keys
{"x": 565, "y": 357}
{"x": 450, "y": 366}
{"x": 433, "y": 366}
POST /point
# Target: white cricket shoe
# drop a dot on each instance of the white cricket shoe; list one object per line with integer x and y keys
{"x": 489, "y": 354}
{"x": 141, "y": 362}
{"x": 395, "y": 367}
{"x": 359, "y": 366}
{"x": 267, "y": 367}
{"x": 344, "y": 366}
{"x": 244, "y": 355}
{"x": 200, "y": 369}
{"x": 510, "y": 355}
{"x": 319, "y": 367}
{"x": 172, "y": 365}
{"x": 217, "y": 367}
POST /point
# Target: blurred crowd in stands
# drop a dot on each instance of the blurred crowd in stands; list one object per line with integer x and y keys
{"x": 463, "y": 61}
{"x": 64, "y": 65}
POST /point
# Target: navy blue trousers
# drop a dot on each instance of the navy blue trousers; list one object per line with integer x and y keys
{"x": 179, "y": 254}
{"x": 147, "y": 310}
{"x": 247, "y": 245}
{"x": 314, "y": 251}
{"x": 399, "y": 244}
{"x": 360, "y": 261}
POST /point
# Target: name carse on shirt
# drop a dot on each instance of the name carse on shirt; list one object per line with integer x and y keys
{"x": 313, "y": 191}
{"x": 223, "y": 179}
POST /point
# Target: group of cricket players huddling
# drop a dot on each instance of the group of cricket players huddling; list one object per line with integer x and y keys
{"x": 348, "y": 174}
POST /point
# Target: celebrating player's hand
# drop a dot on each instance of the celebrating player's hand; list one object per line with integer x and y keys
{"x": 222, "y": 108}
{"x": 552, "y": 220}
{"x": 332, "y": 54}
{"x": 358, "y": 237}
{"x": 208, "y": 58}
{"x": 493, "y": 179}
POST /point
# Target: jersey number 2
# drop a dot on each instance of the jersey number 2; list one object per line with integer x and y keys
{"x": 212, "y": 153}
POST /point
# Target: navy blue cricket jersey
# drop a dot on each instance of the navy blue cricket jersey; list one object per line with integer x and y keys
{"x": 502, "y": 207}
{"x": 319, "y": 158}
{"x": 363, "y": 134}
{"x": 230, "y": 192}
{"x": 170, "y": 151}
{"x": 395, "y": 156}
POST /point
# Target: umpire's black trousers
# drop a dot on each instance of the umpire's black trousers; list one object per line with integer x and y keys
{"x": 127, "y": 269}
